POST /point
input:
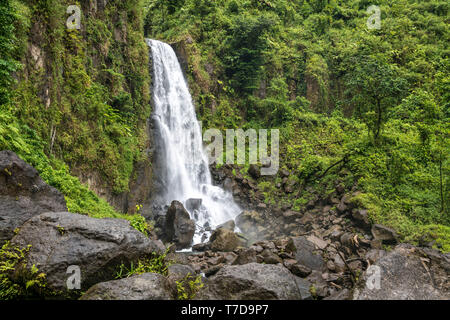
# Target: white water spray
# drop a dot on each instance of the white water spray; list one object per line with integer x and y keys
{"x": 185, "y": 171}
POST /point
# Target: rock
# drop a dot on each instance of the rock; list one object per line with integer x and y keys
{"x": 305, "y": 256}
{"x": 229, "y": 225}
{"x": 96, "y": 246}
{"x": 254, "y": 171}
{"x": 407, "y": 273}
{"x": 319, "y": 285}
{"x": 339, "y": 264}
{"x": 341, "y": 207}
{"x": 147, "y": 286}
{"x": 213, "y": 270}
{"x": 304, "y": 288}
{"x": 201, "y": 247}
{"x": 177, "y": 272}
{"x": 245, "y": 256}
{"x": 251, "y": 282}
{"x": 297, "y": 269}
{"x": 262, "y": 206}
{"x": 348, "y": 240}
{"x": 361, "y": 217}
{"x": 23, "y": 194}
{"x": 270, "y": 258}
{"x": 224, "y": 240}
{"x": 344, "y": 294}
{"x": 193, "y": 204}
{"x": 307, "y": 219}
{"x": 180, "y": 228}
{"x": 318, "y": 242}
{"x": 374, "y": 254}
{"x": 284, "y": 173}
{"x": 290, "y": 216}
{"x": 331, "y": 266}
{"x": 384, "y": 234}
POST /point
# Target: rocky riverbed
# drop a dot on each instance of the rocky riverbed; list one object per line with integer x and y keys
{"x": 328, "y": 251}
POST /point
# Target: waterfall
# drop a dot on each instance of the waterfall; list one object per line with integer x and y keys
{"x": 184, "y": 172}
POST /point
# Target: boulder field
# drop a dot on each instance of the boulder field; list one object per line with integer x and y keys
{"x": 320, "y": 253}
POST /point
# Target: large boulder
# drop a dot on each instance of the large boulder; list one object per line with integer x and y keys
{"x": 251, "y": 281}
{"x": 224, "y": 240}
{"x": 147, "y": 286}
{"x": 179, "y": 229}
{"x": 407, "y": 273}
{"x": 23, "y": 194}
{"x": 306, "y": 255}
{"x": 96, "y": 246}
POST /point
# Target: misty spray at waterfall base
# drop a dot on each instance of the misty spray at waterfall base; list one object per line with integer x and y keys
{"x": 183, "y": 171}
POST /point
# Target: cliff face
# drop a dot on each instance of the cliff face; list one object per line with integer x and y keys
{"x": 86, "y": 93}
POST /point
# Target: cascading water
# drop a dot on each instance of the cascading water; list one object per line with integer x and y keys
{"x": 184, "y": 174}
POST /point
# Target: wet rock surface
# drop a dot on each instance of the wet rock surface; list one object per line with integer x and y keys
{"x": 179, "y": 228}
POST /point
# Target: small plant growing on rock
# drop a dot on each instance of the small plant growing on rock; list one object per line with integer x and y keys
{"x": 17, "y": 281}
{"x": 140, "y": 223}
{"x": 154, "y": 264}
{"x": 188, "y": 287}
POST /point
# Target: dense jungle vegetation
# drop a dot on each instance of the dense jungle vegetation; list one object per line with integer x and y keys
{"x": 364, "y": 108}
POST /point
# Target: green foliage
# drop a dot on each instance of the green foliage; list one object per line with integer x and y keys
{"x": 373, "y": 86}
{"x": 157, "y": 263}
{"x": 188, "y": 287}
{"x": 28, "y": 145}
{"x": 16, "y": 280}
{"x": 333, "y": 88}
{"x": 8, "y": 45}
{"x": 90, "y": 100}
{"x": 244, "y": 47}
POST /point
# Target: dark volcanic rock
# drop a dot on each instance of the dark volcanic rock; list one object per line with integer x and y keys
{"x": 254, "y": 171}
{"x": 96, "y": 246}
{"x": 177, "y": 272}
{"x": 180, "y": 228}
{"x": 147, "y": 286}
{"x": 251, "y": 282}
{"x": 305, "y": 255}
{"x": 23, "y": 194}
{"x": 407, "y": 273}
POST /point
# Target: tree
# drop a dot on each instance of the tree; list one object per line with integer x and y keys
{"x": 244, "y": 52}
{"x": 373, "y": 87}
